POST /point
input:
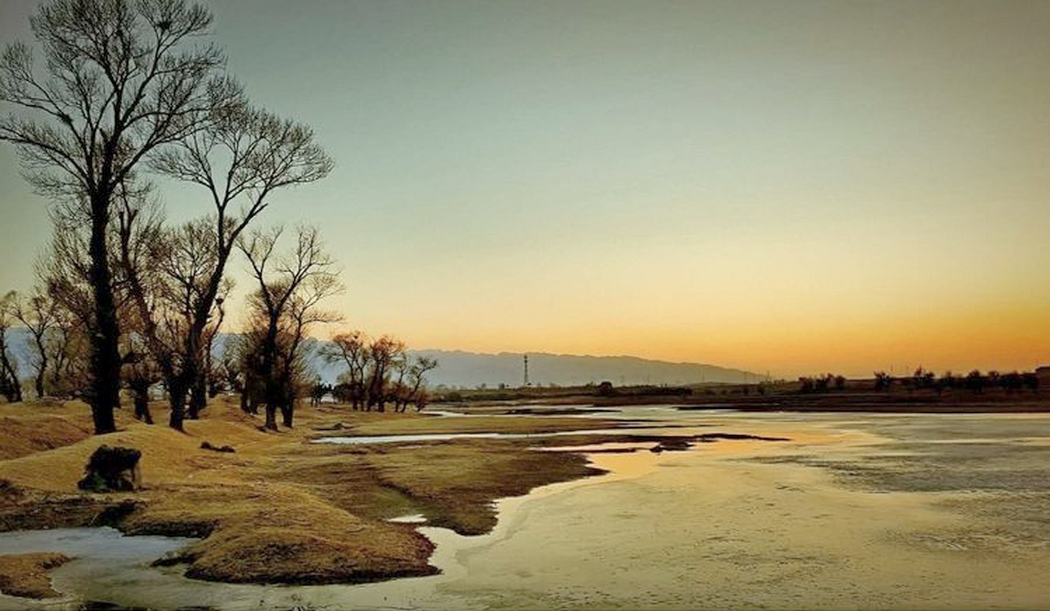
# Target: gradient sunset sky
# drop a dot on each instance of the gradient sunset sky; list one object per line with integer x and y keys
{"x": 792, "y": 187}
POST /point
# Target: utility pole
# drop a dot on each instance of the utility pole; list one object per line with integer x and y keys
{"x": 526, "y": 371}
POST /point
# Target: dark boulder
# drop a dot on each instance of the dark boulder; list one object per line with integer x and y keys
{"x": 111, "y": 470}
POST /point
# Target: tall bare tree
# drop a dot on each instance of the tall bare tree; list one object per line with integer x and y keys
{"x": 283, "y": 308}
{"x": 167, "y": 279}
{"x": 121, "y": 79}
{"x": 241, "y": 159}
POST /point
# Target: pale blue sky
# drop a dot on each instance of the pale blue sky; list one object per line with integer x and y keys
{"x": 792, "y": 186}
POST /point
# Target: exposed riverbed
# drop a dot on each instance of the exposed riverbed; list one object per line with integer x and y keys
{"x": 856, "y": 510}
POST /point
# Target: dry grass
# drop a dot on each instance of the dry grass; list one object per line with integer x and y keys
{"x": 374, "y": 423}
{"x": 280, "y": 509}
{"x": 31, "y": 428}
{"x": 451, "y": 483}
{"x": 26, "y": 575}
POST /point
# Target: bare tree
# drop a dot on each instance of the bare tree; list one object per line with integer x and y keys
{"x": 40, "y": 315}
{"x": 415, "y": 390}
{"x": 67, "y": 348}
{"x": 379, "y": 371}
{"x": 285, "y": 306}
{"x": 384, "y": 354}
{"x": 121, "y": 79}
{"x": 9, "y": 383}
{"x": 167, "y": 293}
{"x": 63, "y": 273}
{"x": 241, "y": 159}
{"x": 141, "y": 370}
{"x": 352, "y": 349}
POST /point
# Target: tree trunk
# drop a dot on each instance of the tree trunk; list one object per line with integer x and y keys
{"x": 287, "y": 413}
{"x": 142, "y": 406}
{"x": 177, "y": 398}
{"x": 42, "y": 371}
{"x": 271, "y": 416}
{"x": 105, "y": 352}
{"x": 8, "y": 377}
{"x": 198, "y": 397}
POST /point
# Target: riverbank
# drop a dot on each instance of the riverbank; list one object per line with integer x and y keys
{"x": 711, "y": 509}
{"x": 854, "y": 396}
{"x": 279, "y": 509}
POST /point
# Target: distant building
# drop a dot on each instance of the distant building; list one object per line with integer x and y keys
{"x": 1043, "y": 373}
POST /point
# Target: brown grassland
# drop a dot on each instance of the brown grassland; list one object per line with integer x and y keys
{"x": 279, "y": 509}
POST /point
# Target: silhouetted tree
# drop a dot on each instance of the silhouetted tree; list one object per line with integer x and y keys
{"x": 9, "y": 384}
{"x": 883, "y": 380}
{"x": 975, "y": 381}
{"x": 352, "y": 349}
{"x": 379, "y": 371}
{"x": 923, "y": 378}
{"x": 121, "y": 80}
{"x": 948, "y": 380}
{"x": 39, "y": 315}
{"x": 383, "y": 353}
{"x": 167, "y": 281}
{"x": 241, "y": 158}
{"x": 416, "y": 389}
{"x": 67, "y": 346}
{"x": 284, "y": 306}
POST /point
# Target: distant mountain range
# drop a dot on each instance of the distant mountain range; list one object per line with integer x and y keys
{"x": 470, "y": 369}
{"x": 459, "y": 369}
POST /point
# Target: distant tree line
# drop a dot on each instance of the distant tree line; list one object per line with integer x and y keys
{"x": 974, "y": 381}
{"x": 821, "y": 383}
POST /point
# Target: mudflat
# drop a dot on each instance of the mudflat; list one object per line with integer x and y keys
{"x": 883, "y": 512}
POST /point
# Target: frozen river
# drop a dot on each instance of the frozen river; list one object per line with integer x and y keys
{"x": 856, "y": 510}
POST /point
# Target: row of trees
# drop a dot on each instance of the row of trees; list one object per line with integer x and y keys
{"x": 56, "y": 343}
{"x": 974, "y": 381}
{"x": 821, "y": 383}
{"x": 127, "y": 92}
{"x": 379, "y": 371}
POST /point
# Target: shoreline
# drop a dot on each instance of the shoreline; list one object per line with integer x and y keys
{"x": 281, "y": 509}
{"x": 316, "y": 504}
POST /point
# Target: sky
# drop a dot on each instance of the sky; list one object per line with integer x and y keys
{"x": 784, "y": 187}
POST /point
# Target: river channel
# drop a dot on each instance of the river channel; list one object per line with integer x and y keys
{"x": 855, "y": 510}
